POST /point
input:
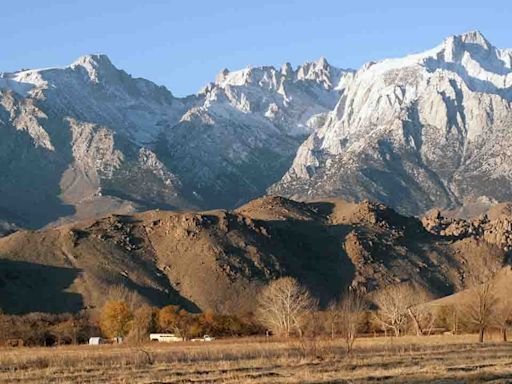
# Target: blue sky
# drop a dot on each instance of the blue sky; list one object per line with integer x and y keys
{"x": 184, "y": 44}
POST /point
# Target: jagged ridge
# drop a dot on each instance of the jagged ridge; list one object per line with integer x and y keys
{"x": 428, "y": 130}
{"x": 89, "y": 139}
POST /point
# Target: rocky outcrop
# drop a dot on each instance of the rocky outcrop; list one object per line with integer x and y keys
{"x": 495, "y": 230}
{"x": 218, "y": 260}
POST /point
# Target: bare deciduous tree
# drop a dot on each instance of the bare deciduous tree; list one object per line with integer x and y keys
{"x": 422, "y": 316}
{"x": 120, "y": 293}
{"x": 482, "y": 305}
{"x": 333, "y": 317}
{"x": 352, "y": 307}
{"x": 393, "y": 303}
{"x": 283, "y": 306}
{"x": 400, "y": 303}
{"x": 503, "y": 316}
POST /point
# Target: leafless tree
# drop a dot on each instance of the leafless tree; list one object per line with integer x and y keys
{"x": 482, "y": 305}
{"x": 503, "y": 316}
{"x": 352, "y": 307}
{"x": 404, "y": 302}
{"x": 313, "y": 324}
{"x": 120, "y": 293}
{"x": 393, "y": 303}
{"x": 283, "y": 306}
{"x": 333, "y": 317}
{"x": 422, "y": 316}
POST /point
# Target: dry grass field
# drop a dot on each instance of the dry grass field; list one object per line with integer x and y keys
{"x": 440, "y": 359}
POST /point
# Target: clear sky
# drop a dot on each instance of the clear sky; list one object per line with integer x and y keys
{"x": 184, "y": 44}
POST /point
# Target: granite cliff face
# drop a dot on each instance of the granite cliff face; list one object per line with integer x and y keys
{"x": 428, "y": 130}
{"x": 246, "y": 131}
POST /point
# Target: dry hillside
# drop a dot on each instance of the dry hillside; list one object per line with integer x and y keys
{"x": 219, "y": 259}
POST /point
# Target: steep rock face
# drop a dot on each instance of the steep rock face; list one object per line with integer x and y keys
{"x": 244, "y": 135}
{"x": 74, "y": 142}
{"x": 87, "y": 139}
{"x": 428, "y": 130}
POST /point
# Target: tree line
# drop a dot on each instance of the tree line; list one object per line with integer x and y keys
{"x": 285, "y": 309}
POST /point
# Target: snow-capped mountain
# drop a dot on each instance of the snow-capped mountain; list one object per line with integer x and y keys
{"x": 244, "y": 135}
{"x": 88, "y": 139}
{"x": 75, "y": 141}
{"x": 428, "y": 130}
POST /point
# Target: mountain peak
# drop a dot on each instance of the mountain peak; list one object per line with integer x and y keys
{"x": 472, "y": 41}
{"x": 322, "y": 63}
{"x": 474, "y": 37}
{"x": 286, "y": 69}
{"x": 221, "y": 76}
{"x": 95, "y": 65}
{"x": 96, "y": 60}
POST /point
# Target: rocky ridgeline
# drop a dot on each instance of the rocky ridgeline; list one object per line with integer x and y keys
{"x": 495, "y": 230}
{"x": 93, "y": 134}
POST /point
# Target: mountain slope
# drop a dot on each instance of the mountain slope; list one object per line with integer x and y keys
{"x": 428, "y": 130}
{"x": 88, "y": 139}
{"x": 219, "y": 259}
{"x": 244, "y": 135}
{"x": 69, "y": 133}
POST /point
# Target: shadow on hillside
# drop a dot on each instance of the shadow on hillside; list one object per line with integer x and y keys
{"x": 29, "y": 287}
{"x": 324, "y": 208}
{"x": 427, "y": 256}
{"x": 159, "y": 298}
{"x": 313, "y": 253}
{"x": 31, "y": 197}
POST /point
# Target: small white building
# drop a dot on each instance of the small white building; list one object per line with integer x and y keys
{"x": 97, "y": 341}
{"x": 165, "y": 337}
{"x": 101, "y": 340}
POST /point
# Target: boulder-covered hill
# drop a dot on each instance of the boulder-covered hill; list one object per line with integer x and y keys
{"x": 219, "y": 259}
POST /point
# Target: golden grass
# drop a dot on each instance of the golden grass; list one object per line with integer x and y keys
{"x": 446, "y": 359}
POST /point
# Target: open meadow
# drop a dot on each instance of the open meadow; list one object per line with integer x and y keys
{"x": 408, "y": 359}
